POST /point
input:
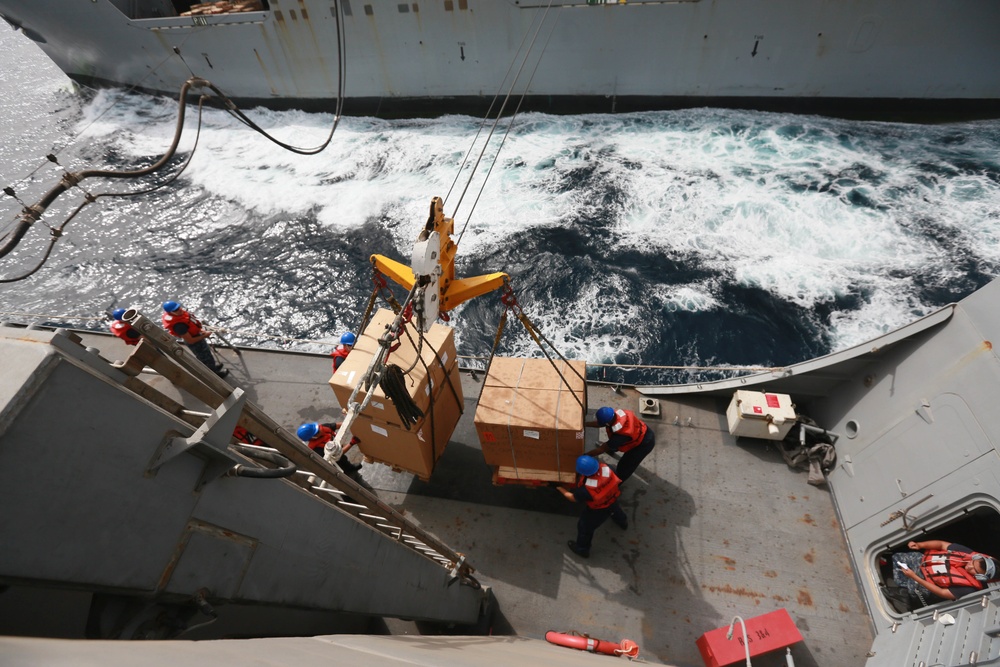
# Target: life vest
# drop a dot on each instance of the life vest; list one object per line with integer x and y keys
{"x": 181, "y": 316}
{"x": 126, "y": 332}
{"x": 602, "y": 487}
{"x": 246, "y": 436}
{"x": 339, "y": 354}
{"x": 628, "y": 425}
{"x": 947, "y": 569}
{"x": 324, "y": 436}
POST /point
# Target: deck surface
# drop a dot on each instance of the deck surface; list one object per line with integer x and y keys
{"x": 720, "y": 527}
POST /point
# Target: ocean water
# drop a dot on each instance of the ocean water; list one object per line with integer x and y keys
{"x": 692, "y": 238}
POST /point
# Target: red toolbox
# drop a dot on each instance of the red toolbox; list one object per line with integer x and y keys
{"x": 767, "y": 632}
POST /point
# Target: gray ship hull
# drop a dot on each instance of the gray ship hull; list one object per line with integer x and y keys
{"x": 864, "y": 58}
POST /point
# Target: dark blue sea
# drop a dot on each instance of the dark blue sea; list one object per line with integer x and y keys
{"x": 701, "y": 237}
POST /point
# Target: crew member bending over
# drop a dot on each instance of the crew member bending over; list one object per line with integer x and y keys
{"x": 626, "y": 434}
{"x": 183, "y": 325}
{"x": 122, "y": 329}
{"x": 597, "y": 487}
{"x": 317, "y": 436}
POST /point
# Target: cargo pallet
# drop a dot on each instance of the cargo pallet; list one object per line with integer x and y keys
{"x": 528, "y": 477}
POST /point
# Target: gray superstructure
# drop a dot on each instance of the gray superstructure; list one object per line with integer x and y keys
{"x": 865, "y": 58}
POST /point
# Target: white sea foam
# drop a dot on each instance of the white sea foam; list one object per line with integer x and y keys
{"x": 807, "y": 209}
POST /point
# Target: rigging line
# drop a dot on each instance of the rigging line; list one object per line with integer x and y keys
{"x": 42, "y": 316}
{"x": 238, "y": 114}
{"x": 91, "y": 198}
{"x": 503, "y": 140}
{"x": 174, "y": 176}
{"x": 654, "y": 366}
{"x": 56, "y": 235}
{"x": 34, "y": 213}
{"x": 489, "y": 113}
{"x": 235, "y": 112}
{"x": 479, "y": 158}
{"x": 73, "y": 137}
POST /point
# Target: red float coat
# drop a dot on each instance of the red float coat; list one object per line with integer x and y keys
{"x": 181, "y": 316}
{"x": 947, "y": 569}
{"x": 628, "y": 425}
{"x": 325, "y": 435}
{"x": 122, "y": 330}
{"x": 602, "y": 487}
{"x": 246, "y": 436}
{"x": 339, "y": 354}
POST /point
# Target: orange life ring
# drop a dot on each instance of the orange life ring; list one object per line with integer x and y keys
{"x": 625, "y": 647}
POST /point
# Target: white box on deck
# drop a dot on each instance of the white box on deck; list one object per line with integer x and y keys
{"x": 755, "y": 414}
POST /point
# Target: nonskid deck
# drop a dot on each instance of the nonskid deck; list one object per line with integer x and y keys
{"x": 719, "y": 527}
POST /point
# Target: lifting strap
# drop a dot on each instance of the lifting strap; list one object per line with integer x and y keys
{"x": 510, "y": 301}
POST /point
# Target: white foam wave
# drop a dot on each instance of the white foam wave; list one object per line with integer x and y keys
{"x": 807, "y": 209}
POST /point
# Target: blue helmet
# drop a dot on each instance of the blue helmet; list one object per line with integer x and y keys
{"x": 348, "y": 339}
{"x": 171, "y": 306}
{"x": 308, "y": 431}
{"x": 587, "y": 465}
{"x": 117, "y": 313}
{"x": 605, "y": 416}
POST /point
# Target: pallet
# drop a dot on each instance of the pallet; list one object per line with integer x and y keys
{"x": 530, "y": 477}
{"x": 396, "y": 468}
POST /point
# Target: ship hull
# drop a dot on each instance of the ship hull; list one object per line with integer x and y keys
{"x": 862, "y": 58}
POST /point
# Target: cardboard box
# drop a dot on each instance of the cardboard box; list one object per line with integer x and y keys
{"x": 382, "y": 410}
{"x": 538, "y": 374}
{"x": 440, "y": 338}
{"x": 536, "y": 424}
{"x": 436, "y": 355}
{"x": 418, "y": 449}
{"x": 754, "y": 414}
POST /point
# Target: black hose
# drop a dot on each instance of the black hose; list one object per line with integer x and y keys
{"x": 393, "y": 384}
{"x": 285, "y": 467}
{"x": 69, "y": 180}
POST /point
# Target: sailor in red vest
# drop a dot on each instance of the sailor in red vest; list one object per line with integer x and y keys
{"x": 946, "y": 569}
{"x": 181, "y": 324}
{"x": 317, "y": 436}
{"x": 596, "y": 487}
{"x": 123, "y": 329}
{"x": 626, "y": 434}
{"x": 341, "y": 351}
{"x": 245, "y": 437}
